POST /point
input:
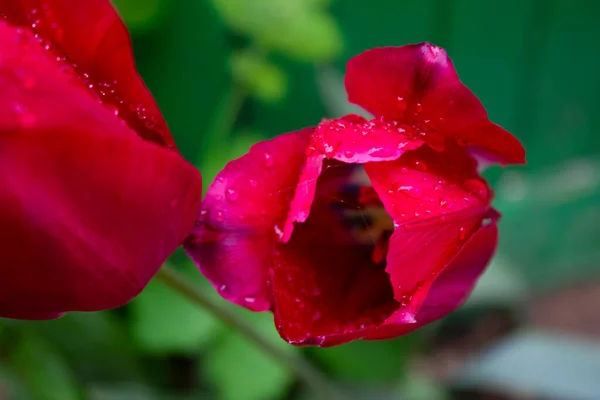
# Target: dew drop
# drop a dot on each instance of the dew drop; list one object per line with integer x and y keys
{"x": 486, "y": 222}
{"x": 232, "y": 194}
{"x": 219, "y": 216}
{"x": 249, "y": 299}
{"x": 476, "y": 187}
{"x": 202, "y": 216}
{"x": 410, "y": 191}
{"x": 462, "y": 233}
{"x": 420, "y": 166}
{"x": 278, "y": 231}
{"x": 402, "y": 104}
{"x": 268, "y": 160}
{"x": 348, "y": 154}
{"x": 252, "y": 182}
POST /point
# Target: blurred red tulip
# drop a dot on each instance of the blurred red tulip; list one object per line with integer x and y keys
{"x": 93, "y": 194}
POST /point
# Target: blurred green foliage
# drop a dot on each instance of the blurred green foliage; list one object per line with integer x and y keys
{"x": 227, "y": 73}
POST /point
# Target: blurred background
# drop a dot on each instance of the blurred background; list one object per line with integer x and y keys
{"x": 227, "y": 73}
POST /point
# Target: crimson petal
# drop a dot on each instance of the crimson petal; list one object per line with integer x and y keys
{"x": 91, "y": 210}
{"x": 437, "y": 202}
{"x": 90, "y": 35}
{"x": 451, "y": 288}
{"x": 240, "y": 214}
{"x": 418, "y": 84}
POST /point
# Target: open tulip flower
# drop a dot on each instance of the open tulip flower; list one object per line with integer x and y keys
{"x": 93, "y": 194}
{"x": 361, "y": 229}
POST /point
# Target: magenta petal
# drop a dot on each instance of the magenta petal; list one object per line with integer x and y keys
{"x": 243, "y": 214}
{"x": 90, "y": 35}
{"x": 437, "y": 201}
{"x": 451, "y": 288}
{"x": 89, "y": 210}
{"x": 391, "y": 81}
{"x": 418, "y": 85}
{"x": 235, "y": 262}
{"x": 352, "y": 139}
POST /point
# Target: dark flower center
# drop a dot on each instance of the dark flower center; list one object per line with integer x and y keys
{"x": 341, "y": 251}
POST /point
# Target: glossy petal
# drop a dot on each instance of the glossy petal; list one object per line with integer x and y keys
{"x": 242, "y": 217}
{"x": 437, "y": 201}
{"x": 452, "y": 287}
{"x": 326, "y": 288}
{"x": 90, "y": 35}
{"x": 91, "y": 210}
{"x": 353, "y": 139}
{"x": 350, "y": 139}
{"x": 417, "y": 85}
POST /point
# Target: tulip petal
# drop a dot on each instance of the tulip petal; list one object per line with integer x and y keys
{"x": 353, "y": 139}
{"x": 418, "y": 85}
{"x": 90, "y": 36}
{"x": 437, "y": 201}
{"x": 326, "y": 288}
{"x": 451, "y": 288}
{"x": 350, "y": 139}
{"x": 90, "y": 209}
{"x": 242, "y": 215}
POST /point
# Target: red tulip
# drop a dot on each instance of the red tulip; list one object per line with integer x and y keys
{"x": 93, "y": 195}
{"x": 361, "y": 229}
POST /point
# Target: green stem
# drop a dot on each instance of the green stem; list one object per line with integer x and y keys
{"x": 303, "y": 369}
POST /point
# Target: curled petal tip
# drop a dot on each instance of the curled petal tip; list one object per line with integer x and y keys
{"x": 434, "y": 54}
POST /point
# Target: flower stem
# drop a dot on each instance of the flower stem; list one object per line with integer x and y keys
{"x": 303, "y": 369}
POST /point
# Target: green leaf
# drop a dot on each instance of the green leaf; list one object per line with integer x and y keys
{"x": 372, "y": 362}
{"x": 333, "y": 93}
{"x": 223, "y": 152}
{"x": 240, "y": 371}
{"x": 163, "y": 321}
{"x": 558, "y": 243}
{"x": 43, "y": 373}
{"x": 264, "y": 80}
{"x": 96, "y": 344}
{"x": 298, "y": 28}
{"x": 141, "y": 15}
{"x": 313, "y": 36}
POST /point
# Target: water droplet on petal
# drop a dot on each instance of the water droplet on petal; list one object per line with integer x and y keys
{"x": 410, "y": 191}
{"x": 232, "y": 194}
{"x": 477, "y": 188}
{"x": 252, "y": 182}
{"x": 462, "y": 233}
{"x": 268, "y": 160}
{"x": 249, "y": 299}
{"x": 348, "y": 154}
{"x": 401, "y": 103}
{"x": 219, "y": 216}
{"x": 420, "y": 166}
